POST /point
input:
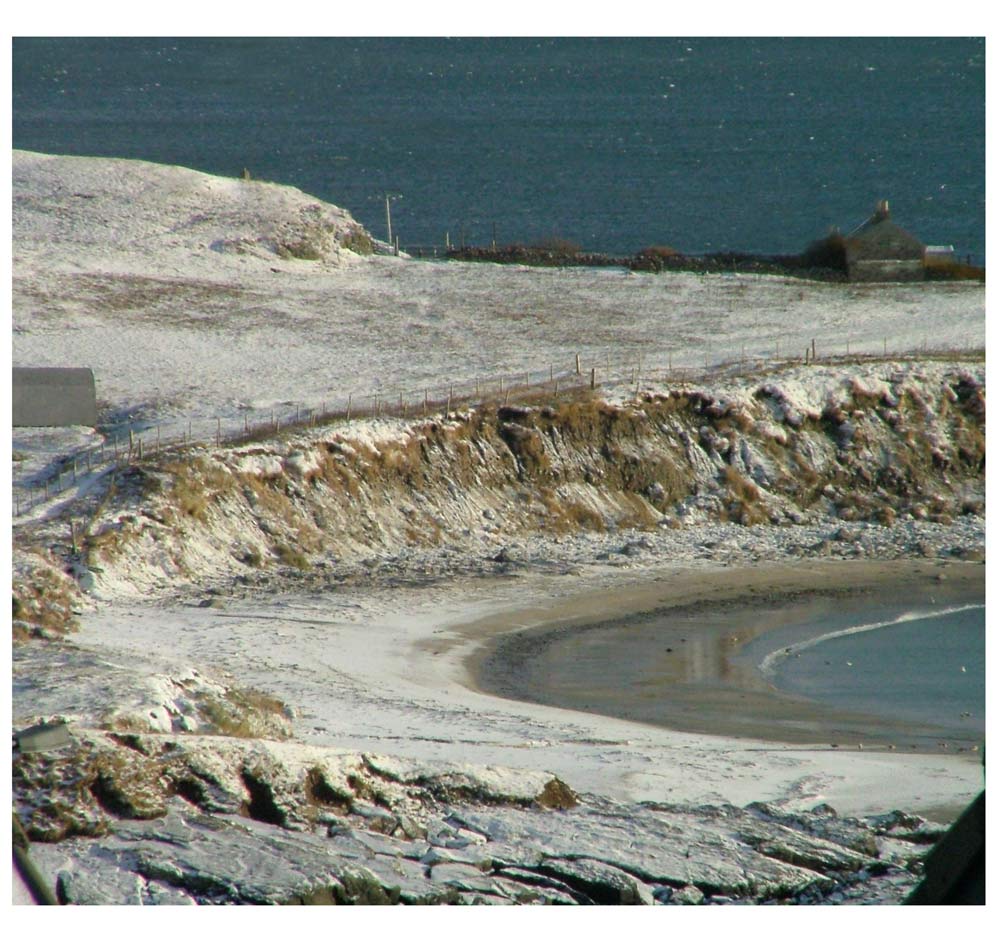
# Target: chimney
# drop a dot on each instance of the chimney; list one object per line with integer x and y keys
{"x": 883, "y": 210}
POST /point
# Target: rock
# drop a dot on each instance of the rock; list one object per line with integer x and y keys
{"x": 600, "y": 882}
{"x": 655, "y": 491}
{"x": 506, "y": 555}
{"x": 492, "y": 835}
{"x": 687, "y": 896}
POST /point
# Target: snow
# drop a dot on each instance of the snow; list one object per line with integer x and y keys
{"x": 127, "y": 284}
{"x": 167, "y": 284}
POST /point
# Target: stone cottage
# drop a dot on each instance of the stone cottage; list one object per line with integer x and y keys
{"x": 880, "y": 250}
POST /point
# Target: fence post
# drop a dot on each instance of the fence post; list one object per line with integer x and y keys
{"x": 592, "y": 378}
{"x": 349, "y": 405}
{"x": 578, "y": 365}
{"x": 814, "y": 353}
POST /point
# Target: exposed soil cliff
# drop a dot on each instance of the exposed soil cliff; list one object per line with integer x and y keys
{"x": 871, "y": 445}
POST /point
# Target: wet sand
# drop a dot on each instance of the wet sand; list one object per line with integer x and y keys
{"x": 702, "y": 621}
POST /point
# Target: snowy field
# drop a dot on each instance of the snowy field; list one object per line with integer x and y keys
{"x": 166, "y": 283}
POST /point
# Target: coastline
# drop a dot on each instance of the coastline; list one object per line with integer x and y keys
{"x": 705, "y": 621}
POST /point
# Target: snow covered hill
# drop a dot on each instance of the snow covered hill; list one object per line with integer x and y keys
{"x": 79, "y": 214}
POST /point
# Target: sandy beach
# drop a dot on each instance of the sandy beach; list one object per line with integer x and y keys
{"x": 703, "y": 623}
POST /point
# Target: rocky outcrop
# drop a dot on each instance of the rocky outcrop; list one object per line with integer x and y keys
{"x": 205, "y": 820}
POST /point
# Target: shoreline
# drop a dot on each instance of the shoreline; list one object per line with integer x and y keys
{"x": 720, "y": 613}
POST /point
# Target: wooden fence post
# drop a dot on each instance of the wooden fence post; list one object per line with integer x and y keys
{"x": 578, "y": 365}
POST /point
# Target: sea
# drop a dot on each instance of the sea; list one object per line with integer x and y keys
{"x": 615, "y": 144}
{"x": 895, "y": 669}
{"x": 921, "y": 665}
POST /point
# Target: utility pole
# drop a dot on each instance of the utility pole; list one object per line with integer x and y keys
{"x": 388, "y": 213}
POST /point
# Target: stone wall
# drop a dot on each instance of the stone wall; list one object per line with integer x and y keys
{"x": 889, "y": 269}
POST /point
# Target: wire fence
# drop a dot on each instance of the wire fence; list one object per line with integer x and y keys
{"x": 126, "y": 447}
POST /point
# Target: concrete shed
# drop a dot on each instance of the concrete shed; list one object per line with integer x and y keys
{"x": 53, "y": 396}
{"x": 880, "y": 250}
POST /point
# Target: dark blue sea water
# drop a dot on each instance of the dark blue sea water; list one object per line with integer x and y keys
{"x": 921, "y": 666}
{"x": 706, "y": 144}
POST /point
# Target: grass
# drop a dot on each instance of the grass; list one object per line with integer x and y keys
{"x": 292, "y": 557}
{"x": 359, "y": 242}
{"x": 197, "y": 484}
{"x": 245, "y": 713}
{"x": 42, "y": 603}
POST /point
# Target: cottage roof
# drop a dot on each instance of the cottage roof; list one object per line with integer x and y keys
{"x": 879, "y": 237}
